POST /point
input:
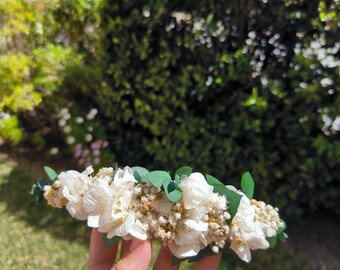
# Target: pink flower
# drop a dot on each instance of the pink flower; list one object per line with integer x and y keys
{"x": 96, "y": 161}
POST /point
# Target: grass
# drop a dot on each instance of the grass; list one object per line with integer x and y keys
{"x": 35, "y": 236}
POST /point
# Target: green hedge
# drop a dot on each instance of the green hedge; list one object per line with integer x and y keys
{"x": 222, "y": 86}
{"x": 225, "y": 87}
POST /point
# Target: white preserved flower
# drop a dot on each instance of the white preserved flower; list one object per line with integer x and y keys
{"x": 189, "y": 240}
{"x": 73, "y": 184}
{"x": 195, "y": 190}
{"x": 267, "y": 216}
{"x": 116, "y": 204}
{"x": 106, "y": 172}
{"x": 54, "y": 196}
{"x": 192, "y": 235}
{"x": 97, "y": 196}
{"x": 249, "y": 235}
{"x": 118, "y": 219}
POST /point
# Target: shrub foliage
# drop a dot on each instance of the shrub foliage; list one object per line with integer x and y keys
{"x": 226, "y": 87}
{"x": 222, "y": 86}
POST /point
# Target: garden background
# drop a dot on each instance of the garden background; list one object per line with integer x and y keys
{"x": 222, "y": 86}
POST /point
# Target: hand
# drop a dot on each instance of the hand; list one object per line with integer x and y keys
{"x": 136, "y": 255}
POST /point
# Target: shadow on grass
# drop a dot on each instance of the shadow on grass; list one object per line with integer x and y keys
{"x": 279, "y": 258}
{"x": 14, "y": 192}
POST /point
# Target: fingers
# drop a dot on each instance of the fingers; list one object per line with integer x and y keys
{"x": 164, "y": 260}
{"x": 209, "y": 262}
{"x": 125, "y": 248}
{"x": 100, "y": 257}
{"x": 137, "y": 258}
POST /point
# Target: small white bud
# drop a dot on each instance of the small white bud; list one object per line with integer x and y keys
{"x": 215, "y": 249}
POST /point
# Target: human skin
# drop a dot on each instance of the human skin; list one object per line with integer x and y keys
{"x": 136, "y": 254}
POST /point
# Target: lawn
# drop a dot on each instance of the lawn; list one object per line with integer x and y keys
{"x": 34, "y": 236}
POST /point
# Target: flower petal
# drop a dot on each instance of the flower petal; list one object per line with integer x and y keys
{"x": 242, "y": 251}
{"x": 196, "y": 225}
{"x": 183, "y": 251}
{"x": 92, "y": 221}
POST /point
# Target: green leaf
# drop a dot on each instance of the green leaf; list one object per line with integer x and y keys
{"x": 173, "y": 193}
{"x": 37, "y": 190}
{"x": 51, "y": 173}
{"x": 177, "y": 179}
{"x": 157, "y": 178}
{"x": 41, "y": 183}
{"x": 34, "y": 189}
{"x": 212, "y": 181}
{"x": 183, "y": 172}
{"x": 247, "y": 185}
{"x": 282, "y": 235}
{"x": 109, "y": 242}
{"x": 140, "y": 173}
{"x": 272, "y": 241}
{"x": 284, "y": 225}
{"x": 234, "y": 201}
{"x": 232, "y": 197}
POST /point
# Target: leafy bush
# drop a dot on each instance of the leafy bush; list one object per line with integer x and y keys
{"x": 36, "y": 48}
{"x": 225, "y": 87}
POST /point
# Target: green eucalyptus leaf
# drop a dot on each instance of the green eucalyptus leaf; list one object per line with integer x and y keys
{"x": 272, "y": 241}
{"x": 40, "y": 184}
{"x": 232, "y": 197}
{"x": 183, "y": 172}
{"x": 177, "y": 179}
{"x": 173, "y": 193}
{"x": 234, "y": 201}
{"x": 157, "y": 178}
{"x": 212, "y": 181}
{"x": 140, "y": 173}
{"x": 109, "y": 242}
{"x": 248, "y": 185}
{"x": 51, "y": 173}
{"x": 282, "y": 235}
{"x": 37, "y": 190}
{"x": 34, "y": 189}
{"x": 284, "y": 225}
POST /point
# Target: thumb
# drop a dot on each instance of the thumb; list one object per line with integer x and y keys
{"x": 138, "y": 257}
